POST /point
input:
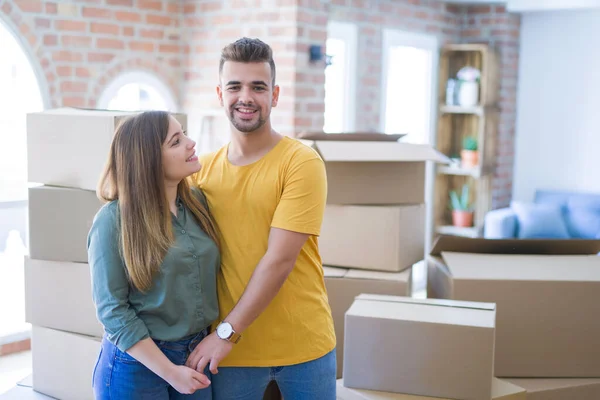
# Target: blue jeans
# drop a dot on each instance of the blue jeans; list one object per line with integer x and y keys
{"x": 307, "y": 381}
{"x": 118, "y": 375}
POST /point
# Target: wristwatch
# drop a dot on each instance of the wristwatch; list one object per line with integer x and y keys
{"x": 225, "y": 331}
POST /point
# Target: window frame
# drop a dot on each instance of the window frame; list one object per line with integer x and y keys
{"x": 396, "y": 37}
{"x": 140, "y": 77}
{"x": 347, "y": 32}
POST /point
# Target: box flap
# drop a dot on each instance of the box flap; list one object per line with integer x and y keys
{"x": 534, "y": 385}
{"x": 577, "y": 268}
{"x": 505, "y": 390}
{"x": 378, "y": 275}
{"x": 446, "y": 312}
{"x": 347, "y": 151}
{"x": 344, "y": 393}
{"x": 431, "y": 302}
{"x": 332, "y": 272}
{"x": 353, "y": 137}
{"x": 514, "y": 246}
{"x": 500, "y": 390}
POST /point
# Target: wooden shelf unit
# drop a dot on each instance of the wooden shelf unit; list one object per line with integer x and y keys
{"x": 457, "y": 122}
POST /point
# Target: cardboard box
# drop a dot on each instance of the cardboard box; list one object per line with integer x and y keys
{"x": 435, "y": 348}
{"x": 63, "y": 363}
{"x": 559, "y": 389}
{"x": 58, "y": 295}
{"x": 59, "y": 222}
{"x": 546, "y": 292}
{"x": 382, "y": 238}
{"x": 343, "y": 285}
{"x": 375, "y": 172}
{"x": 501, "y": 390}
{"x": 69, "y": 147}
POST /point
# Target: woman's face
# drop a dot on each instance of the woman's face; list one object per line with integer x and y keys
{"x": 178, "y": 154}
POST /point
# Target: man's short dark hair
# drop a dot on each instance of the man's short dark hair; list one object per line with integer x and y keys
{"x": 247, "y": 50}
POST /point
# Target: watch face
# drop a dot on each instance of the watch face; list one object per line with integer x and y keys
{"x": 224, "y": 330}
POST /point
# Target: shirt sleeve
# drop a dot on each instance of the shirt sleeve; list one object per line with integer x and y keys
{"x": 110, "y": 286}
{"x": 303, "y": 199}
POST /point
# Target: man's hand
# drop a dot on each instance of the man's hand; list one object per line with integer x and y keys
{"x": 211, "y": 349}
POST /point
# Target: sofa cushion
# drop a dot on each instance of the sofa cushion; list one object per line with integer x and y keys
{"x": 541, "y": 221}
{"x": 583, "y": 217}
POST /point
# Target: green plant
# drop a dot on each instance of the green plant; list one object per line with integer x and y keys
{"x": 462, "y": 202}
{"x": 470, "y": 143}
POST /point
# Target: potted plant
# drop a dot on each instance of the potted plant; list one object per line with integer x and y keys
{"x": 462, "y": 212}
{"x": 469, "y": 155}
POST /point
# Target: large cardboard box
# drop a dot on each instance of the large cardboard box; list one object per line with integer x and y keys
{"x": 59, "y": 222}
{"x": 384, "y": 238}
{"x": 435, "y": 348}
{"x": 501, "y": 390}
{"x": 58, "y": 295}
{"x": 559, "y": 389}
{"x": 343, "y": 285}
{"x": 546, "y": 291}
{"x": 375, "y": 172}
{"x": 63, "y": 363}
{"x": 69, "y": 146}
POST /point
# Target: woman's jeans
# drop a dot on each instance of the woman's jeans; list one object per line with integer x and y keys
{"x": 118, "y": 375}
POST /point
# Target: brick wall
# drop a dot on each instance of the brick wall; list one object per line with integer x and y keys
{"x": 493, "y": 25}
{"x": 78, "y": 47}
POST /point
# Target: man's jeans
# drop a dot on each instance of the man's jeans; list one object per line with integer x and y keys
{"x": 312, "y": 380}
{"x": 118, "y": 375}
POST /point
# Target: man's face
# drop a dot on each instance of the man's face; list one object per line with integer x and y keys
{"x": 247, "y": 93}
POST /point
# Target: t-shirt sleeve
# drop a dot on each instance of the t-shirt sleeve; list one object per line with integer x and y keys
{"x": 303, "y": 199}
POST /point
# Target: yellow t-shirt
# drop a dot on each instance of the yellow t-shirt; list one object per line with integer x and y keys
{"x": 286, "y": 189}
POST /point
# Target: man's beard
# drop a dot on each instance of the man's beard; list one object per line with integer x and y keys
{"x": 246, "y": 126}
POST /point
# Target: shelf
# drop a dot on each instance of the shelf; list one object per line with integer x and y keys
{"x": 476, "y": 172}
{"x": 472, "y": 232}
{"x": 477, "y": 110}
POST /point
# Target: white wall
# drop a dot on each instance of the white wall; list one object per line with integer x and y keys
{"x": 558, "y": 106}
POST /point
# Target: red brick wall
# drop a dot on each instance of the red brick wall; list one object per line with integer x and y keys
{"x": 493, "y": 25}
{"x": 80, "y": 46}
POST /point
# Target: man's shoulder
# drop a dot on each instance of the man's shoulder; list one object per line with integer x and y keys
{"x": 298, "y": 152}
{"x": 210, "y": 159}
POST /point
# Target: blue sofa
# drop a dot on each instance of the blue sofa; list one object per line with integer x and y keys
{"x": 551, "y": 215}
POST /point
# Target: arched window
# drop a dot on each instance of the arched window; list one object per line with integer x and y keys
{"x": 20, "y": 94}
{"x": 137, "y": 91}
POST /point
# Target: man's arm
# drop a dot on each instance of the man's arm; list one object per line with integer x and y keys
{"x": 268, "y": 277}
{"x": 265, "y": 282}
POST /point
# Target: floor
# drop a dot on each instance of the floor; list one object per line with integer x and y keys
{"x": 13, "y": 368}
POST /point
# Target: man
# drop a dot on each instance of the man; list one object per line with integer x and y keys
{"x": 267, "y": 193}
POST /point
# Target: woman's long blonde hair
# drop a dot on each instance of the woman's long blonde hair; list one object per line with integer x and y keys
{"x": 134, "y": 176}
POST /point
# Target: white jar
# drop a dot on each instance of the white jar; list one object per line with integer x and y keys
{"x": 468, "y": 94}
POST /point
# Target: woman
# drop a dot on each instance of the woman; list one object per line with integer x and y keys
{"x": 153, "y": 253}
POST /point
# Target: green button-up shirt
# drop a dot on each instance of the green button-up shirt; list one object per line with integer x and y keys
{"x": 183, "y": 298}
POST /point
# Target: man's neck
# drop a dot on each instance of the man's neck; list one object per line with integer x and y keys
{"x": 246, "y": 148}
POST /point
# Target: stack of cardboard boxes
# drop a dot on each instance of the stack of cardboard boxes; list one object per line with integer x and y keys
{"x": 547, "y": 294}
{"x": 374, "y": 225}
{"x": 67, "y": 151}
{"x": 519, "y": 310}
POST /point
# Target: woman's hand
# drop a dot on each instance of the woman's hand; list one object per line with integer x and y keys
{"x": 186, "y": 380}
